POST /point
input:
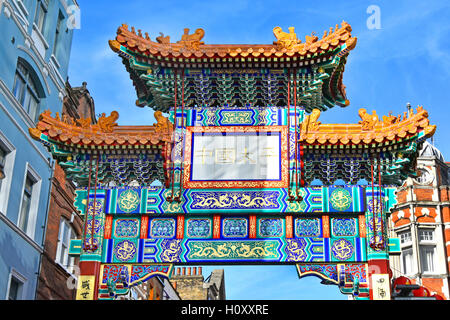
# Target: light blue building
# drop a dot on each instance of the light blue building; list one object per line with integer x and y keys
{"x": 35, "y": 44}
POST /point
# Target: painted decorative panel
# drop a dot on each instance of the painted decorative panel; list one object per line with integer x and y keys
{"x": 162, "y": 228}
{"x": 269, "y": 228}
{"x": 344, "y": 227}
{"x": 267, "y": 200}
{"x": 199, "y": 228}
{"x": 235, "y": 228}
{"x": 126, "y": 228}
{"x": 306, "y": 227}
{"x": 308, "y": 250}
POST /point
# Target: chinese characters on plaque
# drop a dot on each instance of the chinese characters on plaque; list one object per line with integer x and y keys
{"x": 236, "y": 156}
{"x": 85, "y": 290}
{"x": 380, "y": 284}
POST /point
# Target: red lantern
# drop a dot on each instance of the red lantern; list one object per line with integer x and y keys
{"x": 401, "y": 281}
{"x": 421, "y": 292}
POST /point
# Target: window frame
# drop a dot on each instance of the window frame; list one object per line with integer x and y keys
{"x": 424, "y": 249}
{"x": 410, "y": 251}
{"x": 425, "y": 245}
{"x": 5, "y": 185}
{"x": 21, "y": 279}
{"x": 27, "y": 92}
{"x": 30, "y": 227}
{"x": 41, "y": 6}
{"x": 27, "y": 193}
{"x": 407, "y": 247}
{"x": 58, "y": 34}
{"x": 65, "y": 261}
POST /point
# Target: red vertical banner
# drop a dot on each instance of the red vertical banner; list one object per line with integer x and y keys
{"x": 108, "y": 226}
{"x": 362, "y": 226}
{"x": 144, "y": 227}
{"x": 180, "y": 227}
{"x": 326, "y": 226}
{"x": 252, "y": 227}
{"x": 216, "y": 227}
{"x": 289, "y": 227}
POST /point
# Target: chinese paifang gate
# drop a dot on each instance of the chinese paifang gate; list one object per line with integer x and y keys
{"x": 237, "y": 147}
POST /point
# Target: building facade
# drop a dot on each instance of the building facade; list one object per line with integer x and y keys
{"x": 36, "y": 42}
{"x": 190, "y": 283}
{"x": 421, "y": 220}
{"x": 156, "y": 288}
{"x": 58, "y": 270}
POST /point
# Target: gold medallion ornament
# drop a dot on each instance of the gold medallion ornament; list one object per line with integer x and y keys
{"x": 341, "y": 199}
{"x": 342, "y": 249}
{"x": 125, "y": 250}
{"x": 128, "y": 201}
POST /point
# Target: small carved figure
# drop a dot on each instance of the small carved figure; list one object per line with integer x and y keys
{"x": 286, "y": 40}
{"x": 368, "y": 120}
{"x": 106, "y": 124}
{"x": 84, "y": 122}
{"x": 311, "y": 39}
{"x": 162, "y": 123}
{"x": 192, "y": 41}
{"x": 162, "y": 39}
{"x": 311, "y": 121}
{"x": 389, "y": 120}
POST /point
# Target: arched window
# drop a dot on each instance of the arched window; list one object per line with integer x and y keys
{"x": 26, "y": 89}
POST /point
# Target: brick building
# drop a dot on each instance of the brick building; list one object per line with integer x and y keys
{"x": 421, "y": 220}
{"x": 191, "y": 285}
{"x": 63, "y": 223}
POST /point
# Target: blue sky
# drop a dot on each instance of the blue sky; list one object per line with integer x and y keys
{"x": 406, "y": 60}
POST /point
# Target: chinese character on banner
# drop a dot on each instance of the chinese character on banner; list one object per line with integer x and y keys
{"x": 85, "y": 290}
{"x": 380, "y": 284}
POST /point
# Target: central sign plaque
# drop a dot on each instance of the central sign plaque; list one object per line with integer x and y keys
{"x": 236, "y": 157}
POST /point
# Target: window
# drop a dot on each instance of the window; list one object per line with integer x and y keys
{"x": 59, "y": 30}
{"x": 426, "y": 235}
{"x": 7, "y": 156}
{"x": 407, "y": 261}
{"x": 405, "y": 237}
{"x": 427, "y": 258}
{"x": 407, "y": 252}
{"x": 26, "y": 203}
{"x": 427, "y": 249}
{"x": 15, "y": 287}
{"x": 66, "y": 233}
{"x": 25, "y": 90}
{"x": 3, "y": 154}
{"x": 41, "y": 15}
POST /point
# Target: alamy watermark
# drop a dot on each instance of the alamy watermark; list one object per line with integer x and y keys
{"x": 74, "y": 17}
{"x": 374, "y": 20}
